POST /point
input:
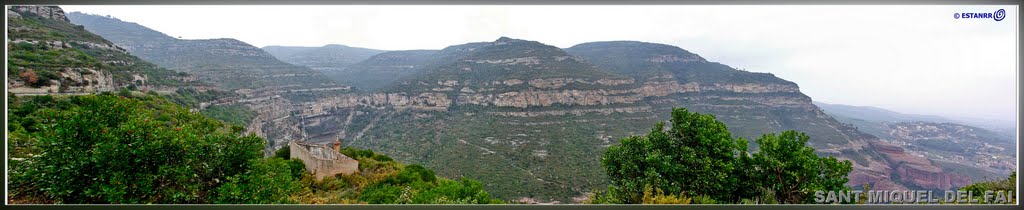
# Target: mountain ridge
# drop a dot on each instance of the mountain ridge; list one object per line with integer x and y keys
{"x": 530, "y": 119}
{"x": 227, "y": 62}
{"x": 877, "y": 114}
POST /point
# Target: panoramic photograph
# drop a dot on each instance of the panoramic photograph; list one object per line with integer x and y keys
{"x": 512, "y": 104}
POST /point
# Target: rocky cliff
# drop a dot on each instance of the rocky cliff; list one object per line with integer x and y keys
{"x": 49, "y": 12}
{"x": 538, "y": 117}
{"x": 918, "y": 171}
{"x": 48, "y": 54}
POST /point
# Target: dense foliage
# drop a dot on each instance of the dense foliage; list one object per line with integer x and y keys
{"x": 696, "y": 160}
{"x": 191, "y": 98}
{"x": 1007, "y": 185}
{"x": 139, "y": 149}
{"x": 696, "y": 155}
{"x": 789, "y": 168}
{"x": 235, "y": 113}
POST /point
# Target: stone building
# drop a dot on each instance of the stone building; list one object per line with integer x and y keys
{"x": 323, "y": 160}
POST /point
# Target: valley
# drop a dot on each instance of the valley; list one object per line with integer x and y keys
{"x": 529, "y": 120}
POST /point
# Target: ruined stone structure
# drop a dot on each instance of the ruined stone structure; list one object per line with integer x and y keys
{"x": 323, "y": 161}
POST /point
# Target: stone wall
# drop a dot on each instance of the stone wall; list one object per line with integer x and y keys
{"x": 322, "y": 160}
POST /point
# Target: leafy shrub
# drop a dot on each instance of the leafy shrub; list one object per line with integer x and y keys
{"x": 266, "y": 181}
{"x": 464, "y": 191}
{"x": 382, "y": 194}
{"x": 791, "y": 170}
{"x": 284, "y": 152}
{"x": 703, "y": 199}
{"x": 116, "y": 149}
{"x": 234, "y": 114}
{"x": 1008, "y": 184}
{"x": 297, "y": 168}
{"x": 656, "y": 196}
{"x": 698, "y": 156}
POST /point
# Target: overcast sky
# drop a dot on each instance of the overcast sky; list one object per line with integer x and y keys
{"x": 910, "y": 59}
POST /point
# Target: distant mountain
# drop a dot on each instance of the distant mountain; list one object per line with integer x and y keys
{"x": 501, "y": 60}
{"x": 338, "y": 62}
{"x": 384, "y": 69}
{"x": 973, "y": 151}
{"x": 326, "y": 58}
{"x": 622, "y": 57}
{"x": 869, "y": 118}
{"x": 877, "y": 114}
{"x": 228, "y": 63}
{"x": 978, "y": 153}
{"x": 533, "y": 119}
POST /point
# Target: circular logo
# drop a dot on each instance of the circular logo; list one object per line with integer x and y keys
{"x": 999, "y": 15}
{"x": 956, "y": 15}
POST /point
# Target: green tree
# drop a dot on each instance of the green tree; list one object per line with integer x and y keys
{"x": 465, "y": 191}
{"x": 1008, "y": 184}
{"x": 414, "y": 173}
{"x": 382, "y": 194}
{"x": 267, "y": 181}
{"x": 788, "y": 167}
{"x": 297, "y": 168}
{"x": 284, "y": 152}
{"x": 117, "y": 149}
{"x": 696, "y": 156}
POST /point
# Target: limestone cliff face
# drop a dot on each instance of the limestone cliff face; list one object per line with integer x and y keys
{"x": 274, "y": 121}
{"x": 546, "y": 98}
{"x": 84, "y": 80}
{"x": 51, "y": 12}
{"x": 930, "y": 177}
{"x": 918, "y": 170}
{"x": 422, "y": 101}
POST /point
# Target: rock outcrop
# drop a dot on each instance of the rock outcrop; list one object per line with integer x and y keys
{"x": 918, "y": 170}
{"x": 50, "y": 12}
{"x": 49, "y": 55}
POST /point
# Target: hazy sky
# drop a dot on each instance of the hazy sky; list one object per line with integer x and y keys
{"x": 911, "y": 59}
